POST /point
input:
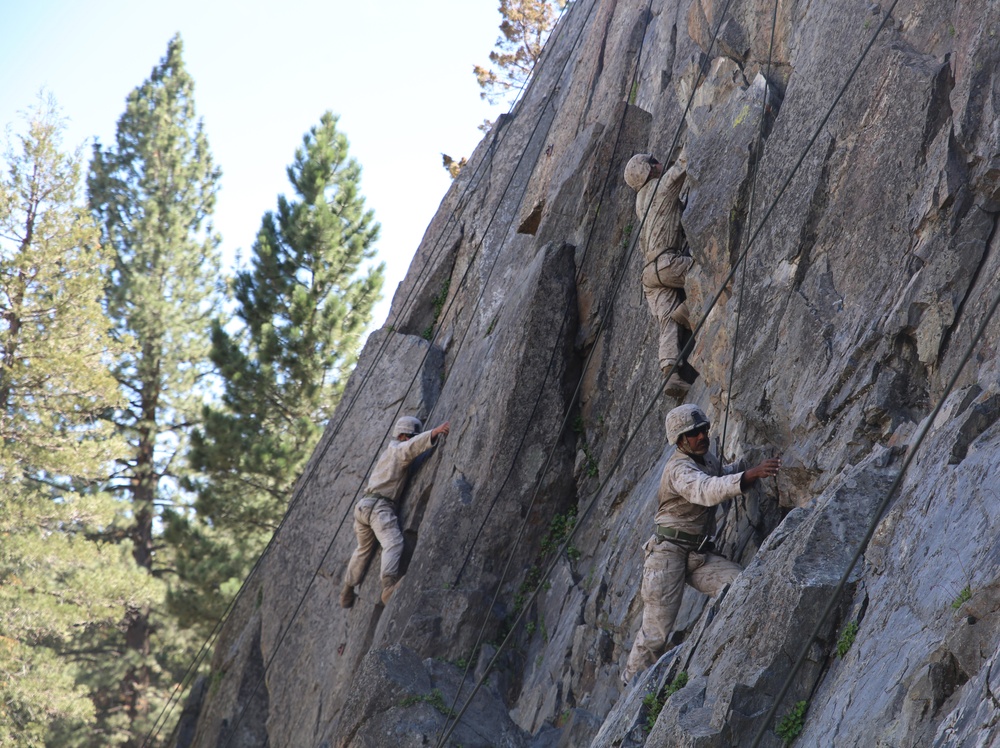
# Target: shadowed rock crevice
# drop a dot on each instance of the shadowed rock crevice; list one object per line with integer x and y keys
{"x": 249, "y": 725}
{"x": 939, "y": 112}
{"x": 981, "y": 417}
{"x": 993, "y": 221}
{"x": 814, "y": 216}
{"x": 427, "y": 304}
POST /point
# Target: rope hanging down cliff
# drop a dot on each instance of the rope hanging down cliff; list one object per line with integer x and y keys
{"x": 586, "y": 365}
{"x": 408, "y": 300}
{"x": 876, "y": 518}
{"x": 834, "y": 598}
{"x": 687, "y": 349}
{"x": 298, "y": 607}
{"x": 757, "y": 157}
{"x": 615, "y": 289}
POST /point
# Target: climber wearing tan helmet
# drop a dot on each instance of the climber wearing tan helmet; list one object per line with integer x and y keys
{"x": 691, "y": 484}
{"x": 375, "y": 514}
{"x": 658, "y": 201}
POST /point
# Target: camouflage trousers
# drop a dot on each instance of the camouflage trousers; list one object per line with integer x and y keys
{"x": 667, "y": 567}
{"x": 375, "y": 519}
{"x": 663, "y": 287}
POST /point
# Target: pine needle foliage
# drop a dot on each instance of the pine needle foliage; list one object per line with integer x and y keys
{"x": 524, "y": 29}
{"x": 60, "y": 587}
{"x": 302, "y": 307}
{"x": 153, "y": 193}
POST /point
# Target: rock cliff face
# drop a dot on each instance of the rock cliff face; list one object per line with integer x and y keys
{"x": 875, "y": 266}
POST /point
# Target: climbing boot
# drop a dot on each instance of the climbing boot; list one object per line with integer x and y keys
{"x": 680, "y": 315}
{"x": 389, "y": 585}
{"x": 347, "y": 596}
{"x": 675, "y": 386}
{"x": 687, "y": 372}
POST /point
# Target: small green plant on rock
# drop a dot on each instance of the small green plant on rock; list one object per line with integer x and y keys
{"x": 847, "y": 637}
{"x": 435, "y": 699}
{"x": 215, "y": 680}
{"x": 592, "y": 468}
{"x": 559, "y": 528}
{"x": 790, "y": 726}
{"x": 654, "y": 701}
{"x": 438, "y": 304}
{"x": 964, "y": 596}
{"x": 677, "y": 683}
{"x": 440, "y": 298}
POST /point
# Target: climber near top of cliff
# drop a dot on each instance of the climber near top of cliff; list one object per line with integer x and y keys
{"x": 658, "y": 204}
{"x": 375, "y": 514}
{"x": 693, "y": 482}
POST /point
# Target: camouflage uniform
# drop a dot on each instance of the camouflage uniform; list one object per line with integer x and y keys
{"x": 658, "y": 201}
{"x": 687, "y": 491}
{"x": 375, "y": 514}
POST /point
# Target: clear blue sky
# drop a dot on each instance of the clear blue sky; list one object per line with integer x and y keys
{"x": 398, "y": 73}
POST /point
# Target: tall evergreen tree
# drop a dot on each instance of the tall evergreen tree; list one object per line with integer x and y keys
{"x": 303, "y": 305}
{"x": 153, "y": 193}
{"x": 58, "y": 585}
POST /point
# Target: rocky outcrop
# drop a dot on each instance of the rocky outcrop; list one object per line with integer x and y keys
{"x": 873, "y": 263}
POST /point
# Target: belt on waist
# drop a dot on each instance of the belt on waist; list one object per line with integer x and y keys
{"x": 684, "y": 537}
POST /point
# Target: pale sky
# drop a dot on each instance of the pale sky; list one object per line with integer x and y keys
{"x": 398, "y": 73}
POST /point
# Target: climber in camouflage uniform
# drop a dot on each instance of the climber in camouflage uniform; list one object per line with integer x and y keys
{"x": 658, "y": 205}
{"x": 375, "y": 514}
{"x": 692, "y": 484}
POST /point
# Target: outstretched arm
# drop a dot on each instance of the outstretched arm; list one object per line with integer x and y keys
{"x": 766, "y": 469}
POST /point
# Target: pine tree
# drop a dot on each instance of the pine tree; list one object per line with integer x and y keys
{"x": 57, "y": 584}
{"x": 523, "y": 32}
{"x": 303, "y": 305}
{"x": 153, "y": 193}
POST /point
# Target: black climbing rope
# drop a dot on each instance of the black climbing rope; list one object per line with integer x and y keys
{"x": 375, "y": 456}
{"x": 617, "y": 285}
{"x": 743, "y": 272}
{"x": 834, "y": 598}
{"x": 408, "y": 300}
{"x": 686, "y": 350}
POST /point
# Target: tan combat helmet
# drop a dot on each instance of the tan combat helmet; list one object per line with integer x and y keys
{"x": 407, "y": 426}
{"x": 637, "y": 170}
{"x": 682, "y": 419}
